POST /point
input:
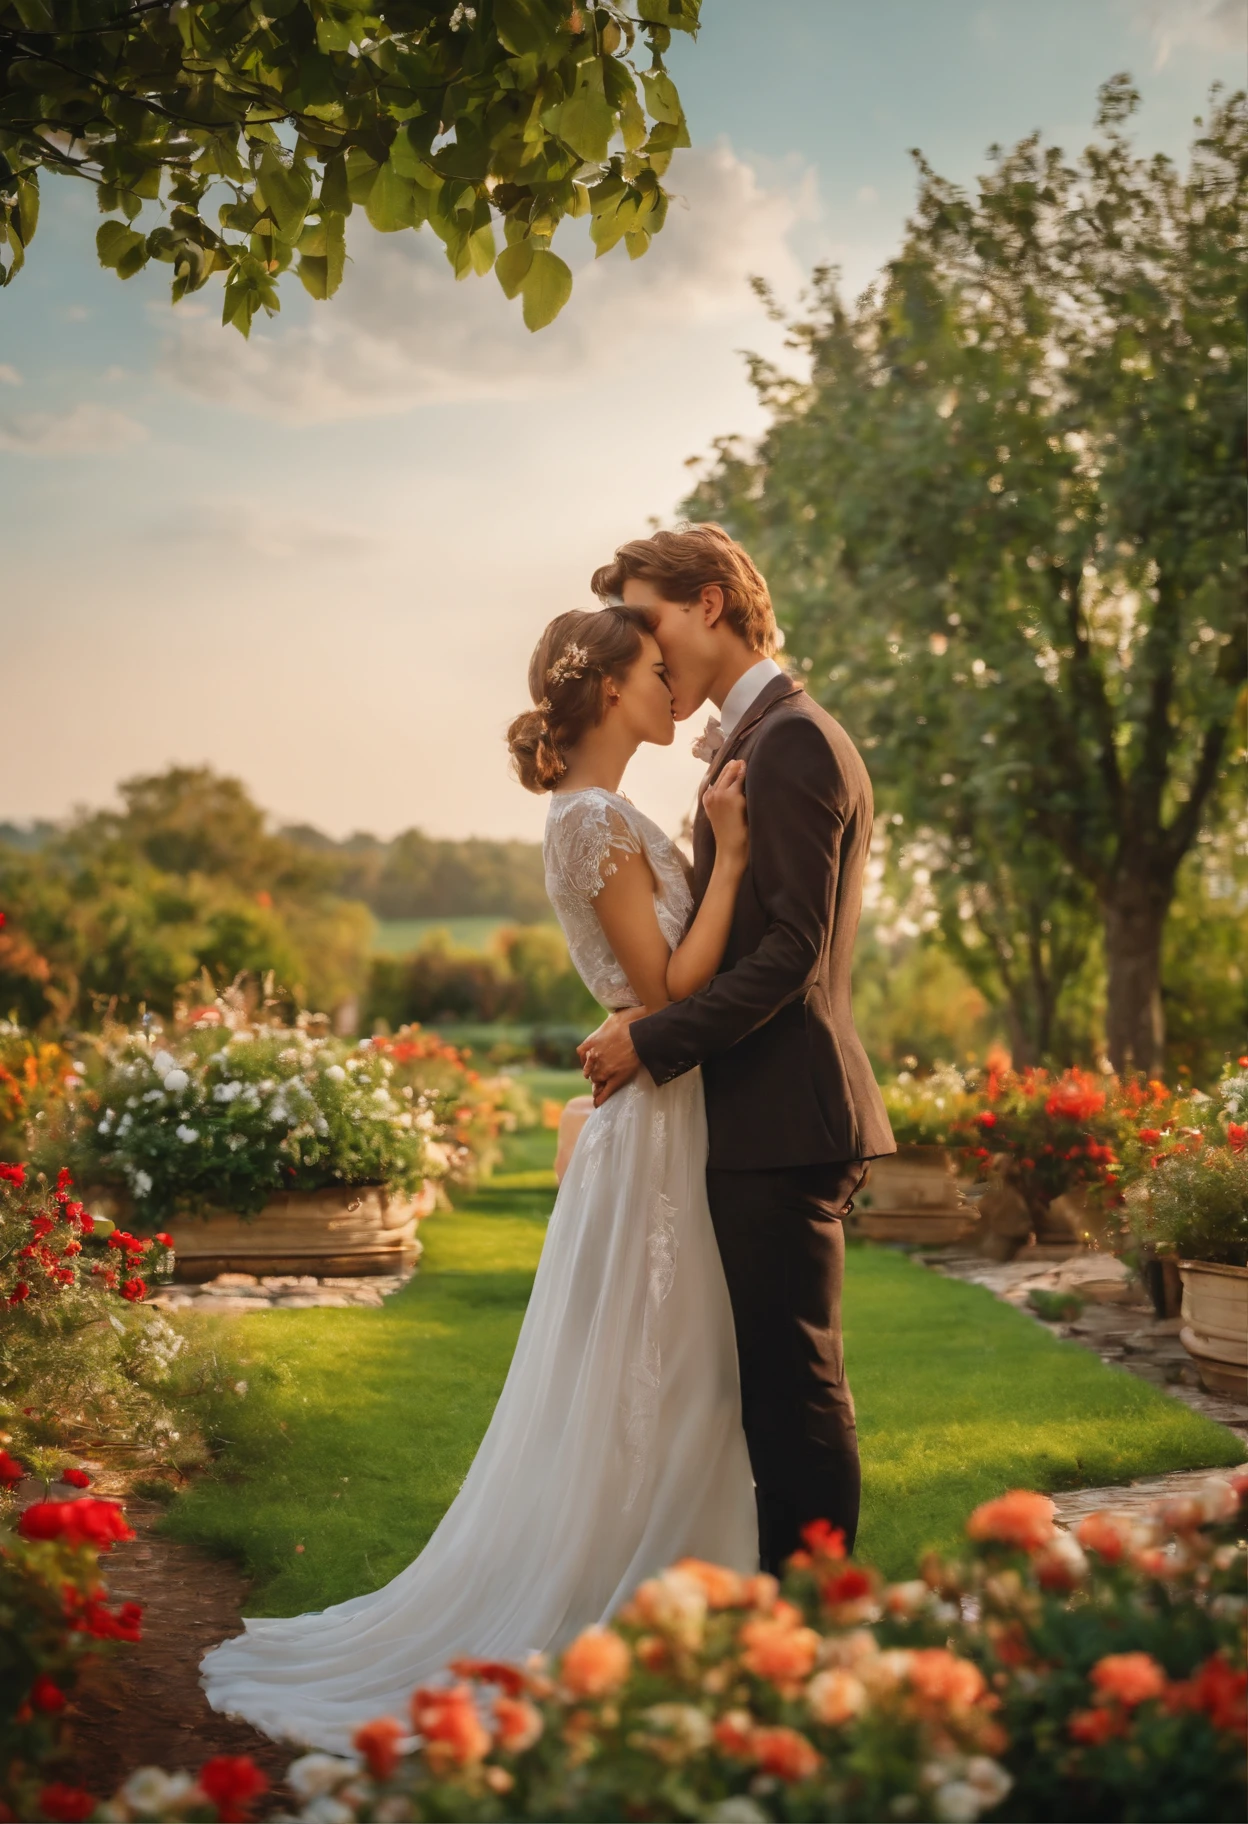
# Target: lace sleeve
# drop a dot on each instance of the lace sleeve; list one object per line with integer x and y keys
{"x": 589, "y": 830}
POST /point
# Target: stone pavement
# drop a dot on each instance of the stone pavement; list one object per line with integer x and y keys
{"x": 1119, "y": 1324}
{"x": 231, "y": 1293}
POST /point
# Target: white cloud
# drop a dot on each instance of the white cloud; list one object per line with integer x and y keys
{"x": 402, "y": 333}
{"x": 1218, "y": 25}
{"x": 84, "y": 430}
{"x": 9, "y": 376}
{"x": 270, "y": 531}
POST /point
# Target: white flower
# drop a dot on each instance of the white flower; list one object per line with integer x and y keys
{"x": 186, "y": 1134}
{"x": 154, "y": 1095}
{"x": 958, "y": 1802}
{"x": 124, "y": 1125}
{"x": 313, "y": 1774}
{"x": 104, "y": 1127}
{"x": 152, "y": 1790}
{"x": 240, "y": 1388}
{"x": 142, "y": 1184}
{"x": 163, "y": 1062}
{"x": 176, "y": 1081}
{"x": 227, "y": 1092}
{"x": 989, "y": 1779}
{"x": 336, "y": 1073}
{"x": 327, "y": 1810}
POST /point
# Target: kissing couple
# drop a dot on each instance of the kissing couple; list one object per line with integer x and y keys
{"x": 678, "y": 1389}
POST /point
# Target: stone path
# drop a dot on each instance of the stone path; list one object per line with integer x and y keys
{"x": 1120, "y": 1325}
{"x": 231, "y": 1293}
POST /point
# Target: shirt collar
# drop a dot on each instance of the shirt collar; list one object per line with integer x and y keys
{"x": 744, "y": 693}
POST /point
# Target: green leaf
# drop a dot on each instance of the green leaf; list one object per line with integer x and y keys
{"x": 333, "y": 34}
{"x": 323, "y": 255}
{"x": 286, "y": 191}
{"x": 546, "y": 288}
{"x": 392, "y": 203}
{"x": 524, "y": 26}
{"x": 481, "y": 248}
{"x": 661, "y": 97}
{"x": 584, "y": 121}
{"x": 512, "y": 266}
{"x": 27, "y": 208}
{"x": 121, "y": 248}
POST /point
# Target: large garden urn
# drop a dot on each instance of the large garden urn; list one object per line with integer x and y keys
{"x": 1215, "y": 1325}
{"x": 913, "y": 1196}
{"x": 341, "y": 1230}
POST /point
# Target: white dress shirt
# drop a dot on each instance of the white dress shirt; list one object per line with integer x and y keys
{"x": 744, "y": 692}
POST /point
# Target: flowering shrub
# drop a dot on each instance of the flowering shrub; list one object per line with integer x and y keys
{"x": 54, "y": 1615}
{"x": 227, "y": 1111}
{"x": 1195, "y": 1205}
{"x": 80, "y": 1354}
{"x": 1044, "y": 1136}
{"x": 927, "y": 1111}
{"x": 1035, "y": 1676}
{"x": 35, "y": 1076}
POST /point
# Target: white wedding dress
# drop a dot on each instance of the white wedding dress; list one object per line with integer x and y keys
{"x": 616, "y": 1446}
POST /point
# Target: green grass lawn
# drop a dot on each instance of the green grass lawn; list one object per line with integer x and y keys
{"x": 358, "y": 1426}
{"x": 400, "y": 936}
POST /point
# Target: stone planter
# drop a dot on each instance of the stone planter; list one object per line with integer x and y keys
{"x": 912, "y": 1195}
{"x": 343, "y": 1230}
{"x": 1215, "y": 1325}
{"x": 576, "y": 1113}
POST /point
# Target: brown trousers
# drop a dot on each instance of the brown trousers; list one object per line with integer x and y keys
{"x": 783, "y": 1249}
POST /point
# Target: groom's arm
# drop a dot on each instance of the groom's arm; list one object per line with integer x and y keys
{"x": 797, "y": 800}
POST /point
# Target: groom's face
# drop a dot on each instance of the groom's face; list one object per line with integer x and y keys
{"x": 687, "y": 639}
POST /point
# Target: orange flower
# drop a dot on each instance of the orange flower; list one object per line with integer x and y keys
{"x": 519, "y": 1723}
{"x": 776, "y": 1650}
{"x": 785, "y": 1753}
{"x": 595, "y": 1663}
{"x": 835, "y": 1695}
{"x": 943, "y": 1678}
{"x": 824, "y": 1539}
{"x": 1020, "y": 1518}
{"x": 724, "y": 1589}
{"x": 491, "y": 1672}
{"x": 453, "y": 1732}
{"x": 761, "y": 1590}
{"x": 1107, "y": 1534}
{"x": 1132, "y": 1678}
{"x": 734, "y": 1734}
{"x": 652, "y": 1652}
{"x": 1092, "y": 1727}
{"x": 378, "y": 1742}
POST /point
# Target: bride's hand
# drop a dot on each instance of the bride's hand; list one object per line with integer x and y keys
{"x": 724, "y": 804}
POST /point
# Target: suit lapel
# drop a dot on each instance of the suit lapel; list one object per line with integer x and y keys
{"x": 773, "y": 692}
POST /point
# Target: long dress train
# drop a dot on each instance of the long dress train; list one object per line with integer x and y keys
{"x": 616, "y": 1446}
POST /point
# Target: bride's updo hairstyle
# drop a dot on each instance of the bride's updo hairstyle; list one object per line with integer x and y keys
{"x": 568, "y": 676}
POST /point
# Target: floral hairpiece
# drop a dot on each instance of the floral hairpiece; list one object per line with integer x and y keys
{"x": 572, "y": 662}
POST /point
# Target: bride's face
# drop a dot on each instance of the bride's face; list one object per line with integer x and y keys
{"x": 643, "y": 698}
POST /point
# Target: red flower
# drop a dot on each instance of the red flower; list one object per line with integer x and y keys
{"x": 83, "y": 1522}
{"x": 1150, "y": 1135}
{"x": 823, "y": 1538}
{"x": 1075, "y": 1098}
{"x": 66, "y": 1804}
{"x": 1218, "y": 1690}
{"x": 11, "y": 1471}
{"x": 134, "y": 1290}
{"x": 232, "y": 1782}
{"x": 46, "y": 1695}
{"x": 986, "y": 1119}
{"x": 12, "y": 1174}
{"x": 849, "y": 1585}
{"x": 63, "y": 1180}
{"x": 76, "y": 1478}
{"x": 166, "y": 1241}
{"x": 491, "y": 1672}
{"x": 1237, "y": 1134}
{"x": 20, "y": 1291}
{"x": 378, "y": 1742}
{"x": 1092, "y": 1727}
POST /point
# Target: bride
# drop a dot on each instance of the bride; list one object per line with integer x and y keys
{"x": 616, "y": 1446}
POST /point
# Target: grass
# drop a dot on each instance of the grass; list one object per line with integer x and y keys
{"x": 357, "y": 1426}
{"x": 400, "y": 936}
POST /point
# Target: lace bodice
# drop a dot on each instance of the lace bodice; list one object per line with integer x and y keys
{"x": 583, "y": 830}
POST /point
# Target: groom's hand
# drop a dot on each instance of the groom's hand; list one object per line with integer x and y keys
{"x": 608, "y": 1056}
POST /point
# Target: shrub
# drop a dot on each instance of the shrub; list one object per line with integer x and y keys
{"x": 1195, "y": 1206}
{"x": 925, "y": 1110}
{"x": 1034, "y": 1676}
{"x": 54, "y": 1615}
{"x": 35, "y": 1076}
{"x": 81, "y": 1356}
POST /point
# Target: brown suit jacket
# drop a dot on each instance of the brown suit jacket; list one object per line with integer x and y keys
{"x": 787, "y": 1080}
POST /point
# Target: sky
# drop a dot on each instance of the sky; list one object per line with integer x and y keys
{"x": 319, "y": 560}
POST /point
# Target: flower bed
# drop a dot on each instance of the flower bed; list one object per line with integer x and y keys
{"x": 1033, "y": 1676}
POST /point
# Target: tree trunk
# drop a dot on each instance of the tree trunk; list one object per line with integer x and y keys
{"x": 1135, "y": 918}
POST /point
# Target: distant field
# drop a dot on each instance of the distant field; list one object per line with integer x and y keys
{"x": 398, "y": 936}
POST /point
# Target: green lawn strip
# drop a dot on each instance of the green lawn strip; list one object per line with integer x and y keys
{"x": 358, "y": 1425}
{"x": 960, "y": 1397}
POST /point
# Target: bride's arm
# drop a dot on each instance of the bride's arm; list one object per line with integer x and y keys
{"x": 625, "y": 906}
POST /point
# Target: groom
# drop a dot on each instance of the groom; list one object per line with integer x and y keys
{"x": 792, "y": 1108}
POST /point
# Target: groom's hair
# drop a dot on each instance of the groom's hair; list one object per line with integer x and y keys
{"x": 683, "y": 562}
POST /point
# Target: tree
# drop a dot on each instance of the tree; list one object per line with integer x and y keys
{"x": 282, "y": 115}
{"x": 1004, "y": 520}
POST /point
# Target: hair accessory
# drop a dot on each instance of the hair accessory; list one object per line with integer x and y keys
{"x": 544, "y": 707}
{"x": 572, "y": 662}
